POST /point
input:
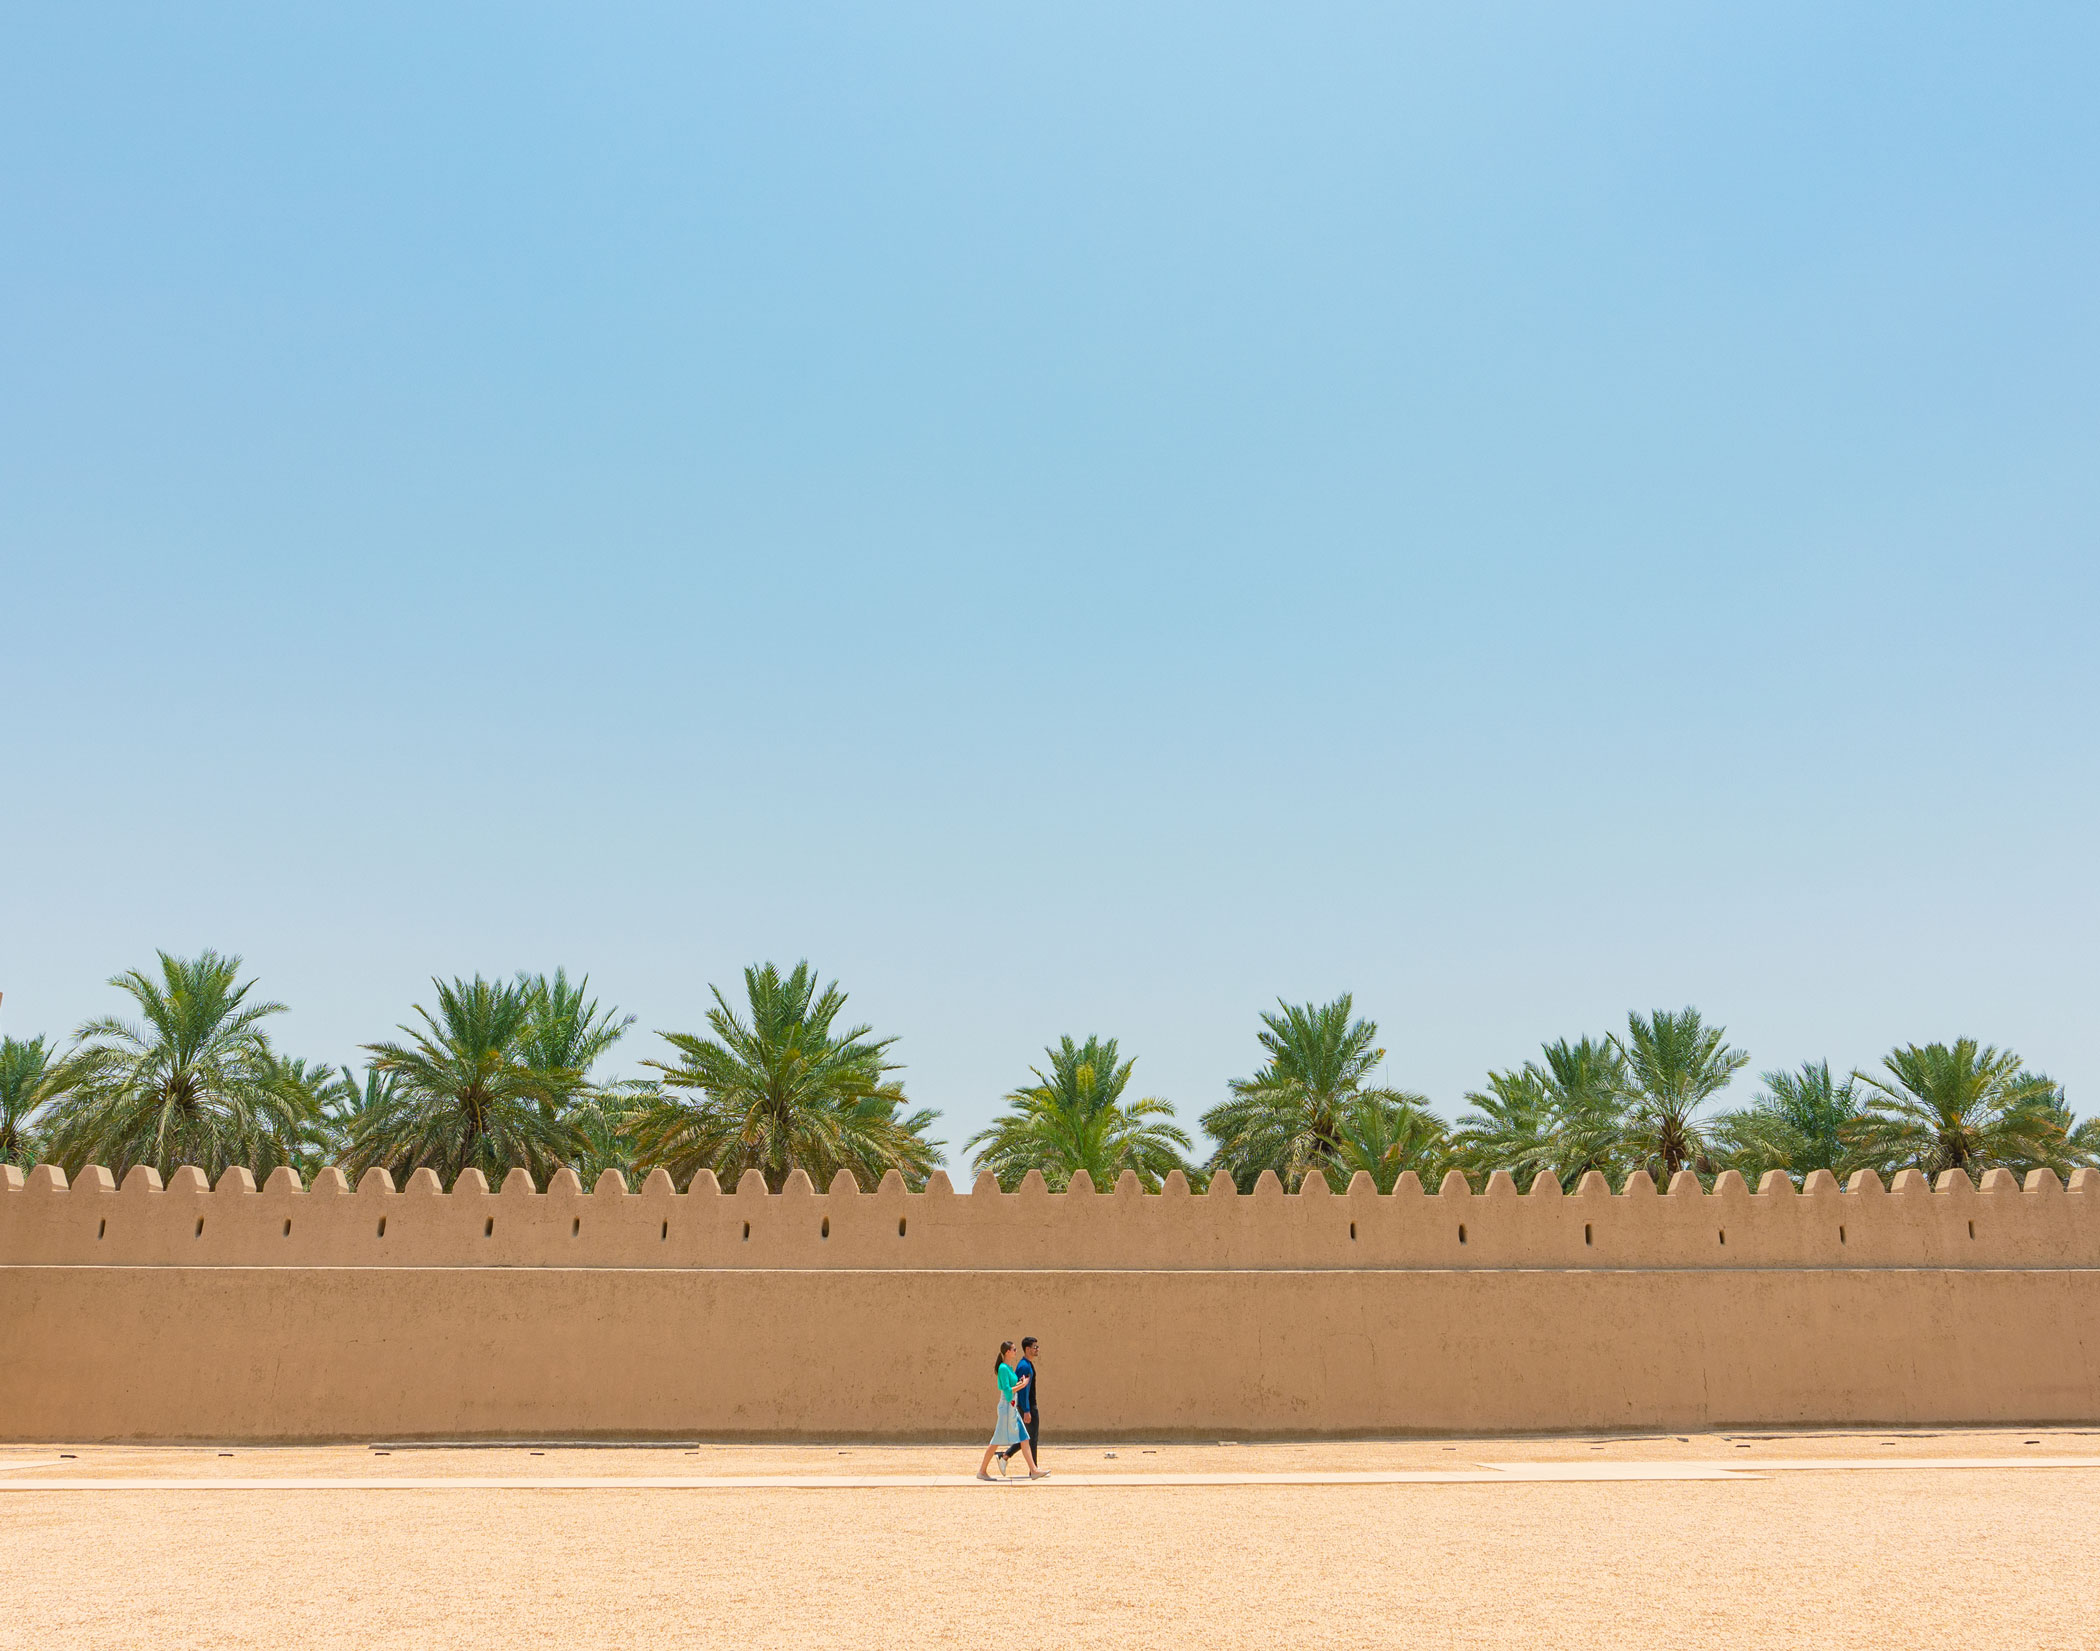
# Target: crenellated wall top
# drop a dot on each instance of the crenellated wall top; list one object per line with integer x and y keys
{"x": 189, "y": 1222}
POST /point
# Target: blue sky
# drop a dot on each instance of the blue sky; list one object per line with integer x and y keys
{"x": 1074, "y": 521}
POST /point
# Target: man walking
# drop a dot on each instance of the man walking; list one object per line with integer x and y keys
{"x": 1031, "y": 1416}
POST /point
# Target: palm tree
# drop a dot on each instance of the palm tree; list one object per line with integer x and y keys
{"x": 1675, "y": 1063}
{"x": 569, "y": 1031}
{"x": 347, "y": 1107}
{"x": 781, "y": 1090}
{"x": 566, "y": 1029}
{"x": 2079, "y": 1147}
{"x": 1512, "y": 1126}
{"x": 1074, "y": 1117}
{"x": 1961, "y": 1106}
{"x": 1567, "y": 1115}
{"x": 1588, "y": 1087}
{"x": 1385, "y": 1136}
{"x": 1804, "y": 1121}
{"x": 2081, "y": 1139}
{"x": 607, "y": 1118}
{"x": 24, "y": 1063}
{"x": 1288, "y": 1117}
{"x": 466, "y": 1092}
{"x": 314, "y": 1092}
{"x": 194, "y": 1083}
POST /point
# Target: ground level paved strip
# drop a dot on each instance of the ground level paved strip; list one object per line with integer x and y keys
{"x": 927, "y": 1481}
{"x": 1488, "y": 1473}
{"x": 1751, "y": 1467}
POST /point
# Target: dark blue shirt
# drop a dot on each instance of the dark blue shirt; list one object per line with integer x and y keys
{"x": 1025, "y": 1400}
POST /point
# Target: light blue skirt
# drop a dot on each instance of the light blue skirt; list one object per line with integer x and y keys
{"x": 1007, "y": 1430}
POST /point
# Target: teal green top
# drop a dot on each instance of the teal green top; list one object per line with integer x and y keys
{"x": 1007, "y": 1378}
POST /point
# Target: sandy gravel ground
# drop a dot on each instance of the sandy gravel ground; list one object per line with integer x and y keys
{"x": 1911, "y": 1557}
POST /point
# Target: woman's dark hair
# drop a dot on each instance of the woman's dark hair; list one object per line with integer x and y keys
{"x": 1005, "y": 1347}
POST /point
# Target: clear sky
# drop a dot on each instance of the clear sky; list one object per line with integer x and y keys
{"x": 1083, "y": 519}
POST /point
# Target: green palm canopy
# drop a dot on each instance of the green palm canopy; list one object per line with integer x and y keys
{"x": 24, "y": 1064}
{"x": 192, "y": 1081}
{"x": 467, "y": 1090}
{"x": 1804, "y": 1121}
{"x": 1310, "y": 1097}
{"x": 1074, "y": 1118}
{"x": 568, "y": 1030}
{"x": 1511, "y": 1126}
{"x": 1565, "y": 1112}
{"x": 1964, "y": 1106}
{"x": 1384, "y": 1134}
{"x": 780, "y": 1087}
{"x": 1675, "y": 1063}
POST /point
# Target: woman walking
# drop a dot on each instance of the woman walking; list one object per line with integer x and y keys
{"x": 1007, "y": 1430}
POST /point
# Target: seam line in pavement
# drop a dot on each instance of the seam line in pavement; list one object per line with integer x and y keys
{"x": 1487, "y": 1473}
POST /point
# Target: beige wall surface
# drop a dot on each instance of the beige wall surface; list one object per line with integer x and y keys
{"x": 304, "y": 1353}
{"x": 189, "y": 1312}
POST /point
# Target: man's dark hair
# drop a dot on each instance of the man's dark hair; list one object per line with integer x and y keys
{"x": 1027, "y": 1342}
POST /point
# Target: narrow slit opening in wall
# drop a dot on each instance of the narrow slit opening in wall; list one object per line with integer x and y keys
{"x": 488, "y": 1228}
{"x": 200, "y": 1226}
{"x": 1352, "y": 1232}
{"x": 1724, "y": 1234}
{"x": 1461, "y": 1232}
{"x": 900, "y": 1226}
{"x": 102, "y": 1231}
{"x": 382, "y": 1226}
{"x": 1841, "y": 1235}
{"x": 576, "y": 1227}
{"x": 666, "y": 1233}
{"x": 1585, "y": 1232}
{"x": 825, "y": 1230}
{"x": 747, "y": 1232}
{"x": 1972, "y": 1229}
{"x": 288, "y": 1229}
